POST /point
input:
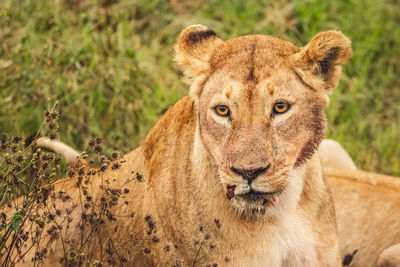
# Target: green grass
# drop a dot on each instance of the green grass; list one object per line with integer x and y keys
{"x": 109, "y": 65}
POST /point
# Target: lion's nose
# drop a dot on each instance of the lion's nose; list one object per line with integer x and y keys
{"x": 250, "y": 174}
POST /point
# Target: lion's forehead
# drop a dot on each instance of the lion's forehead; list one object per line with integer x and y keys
{"x": 251, "y": 72}
{"x": 283, "y": 85}
{"x": 252, "y": 58}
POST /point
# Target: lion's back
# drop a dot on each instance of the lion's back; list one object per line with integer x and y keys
{"x": 361, "y": 201}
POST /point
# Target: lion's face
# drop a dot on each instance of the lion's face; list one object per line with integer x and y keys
{"x": 258, "y": 131}
{"x": 261, "y": 107}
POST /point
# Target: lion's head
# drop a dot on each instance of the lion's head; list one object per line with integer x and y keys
{"x": 261, "y": 104}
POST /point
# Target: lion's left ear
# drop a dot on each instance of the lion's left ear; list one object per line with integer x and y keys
{"x": 319, "y": 62}
{"x": 195, "y": 46}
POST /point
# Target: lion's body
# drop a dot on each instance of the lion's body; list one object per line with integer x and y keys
{"x": 368, "y": 214}
{"x": 230, "y": 173}
{"x": 367, "y": 209}
{"x": 359, "y": 228}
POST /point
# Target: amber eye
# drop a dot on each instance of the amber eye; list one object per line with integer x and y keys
{"x": 281, "y": 107}
{"x": 222, "y": 110}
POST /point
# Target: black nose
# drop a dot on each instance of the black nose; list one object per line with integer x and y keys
{"x": 250, "y": 174}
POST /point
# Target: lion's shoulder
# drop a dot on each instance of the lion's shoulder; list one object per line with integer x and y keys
{"x": 178, "y": 123}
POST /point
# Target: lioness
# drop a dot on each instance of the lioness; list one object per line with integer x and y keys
{"x": 230, "y": 172}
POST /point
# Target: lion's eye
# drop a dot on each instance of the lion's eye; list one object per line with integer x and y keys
{"x": 281, "y": 107}
{"x": 222, "y": 110}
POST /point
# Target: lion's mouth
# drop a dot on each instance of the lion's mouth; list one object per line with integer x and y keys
{"x": 266, "y": 198}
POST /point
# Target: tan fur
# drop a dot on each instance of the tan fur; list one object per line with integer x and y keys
{"x": 390, "y": 257}
{"x": 323, "y": 57}
{"x": 335, "y": 160}
{"x": 334, "y": 156}
{"x": 368, "y": 215}
{"x": 192, "y": 157}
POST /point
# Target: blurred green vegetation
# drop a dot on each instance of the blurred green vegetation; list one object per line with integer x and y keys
{"x": 109, "y": 65}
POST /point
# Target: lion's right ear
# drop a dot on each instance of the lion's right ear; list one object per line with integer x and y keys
{"x": 195, "y": 46}
{"x": 319, "y": 62}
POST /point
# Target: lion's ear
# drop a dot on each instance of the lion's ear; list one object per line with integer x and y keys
{"x": 319, "y": 62}
{"x": 195, "y": 46}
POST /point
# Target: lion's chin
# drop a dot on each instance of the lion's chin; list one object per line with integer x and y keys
{"x": 266, "y": 199}
{"x": 258, "y": 205}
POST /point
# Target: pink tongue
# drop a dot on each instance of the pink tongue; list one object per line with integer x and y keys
{"x": 231, "y": 191}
